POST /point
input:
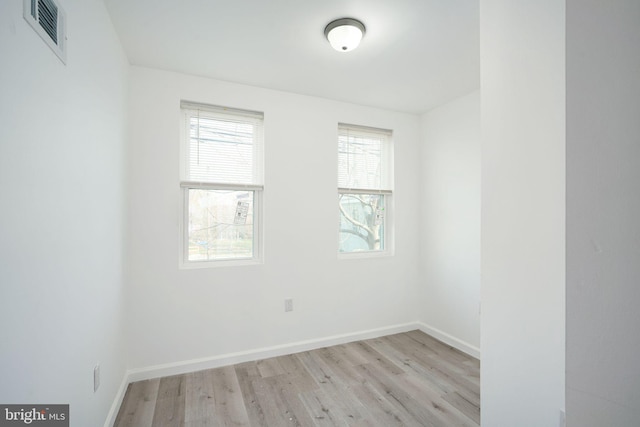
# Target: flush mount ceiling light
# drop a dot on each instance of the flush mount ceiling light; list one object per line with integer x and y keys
{"x": 344, "y": 34}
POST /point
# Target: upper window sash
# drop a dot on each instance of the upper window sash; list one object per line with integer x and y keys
{"x": 221, "y": 145}
{"x": 365, "y": 158}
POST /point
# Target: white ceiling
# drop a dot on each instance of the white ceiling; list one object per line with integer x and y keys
{"x": 416, "y": 54}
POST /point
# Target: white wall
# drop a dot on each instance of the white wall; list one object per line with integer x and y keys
{"x": 62, "y": 197}
{"x": 449, "y": 295}
{"x": 179, "y": 315}
{"x": 603, "y": 211}
{"x": 523, "y": 212}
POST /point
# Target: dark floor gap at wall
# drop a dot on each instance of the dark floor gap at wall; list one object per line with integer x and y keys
{"x": 407, "y": 379}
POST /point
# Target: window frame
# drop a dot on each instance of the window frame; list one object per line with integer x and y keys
{"x": 385, "y": 189}
{"x": 185, "y": 185}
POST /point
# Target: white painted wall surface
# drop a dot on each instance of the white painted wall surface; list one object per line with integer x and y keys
{"x": 449, "y": 294}
{"x": 603, "y": 213}
{"x": 62, "y": 207}
{"x": 523, "y": 212}
{"x": 180, "y": 315}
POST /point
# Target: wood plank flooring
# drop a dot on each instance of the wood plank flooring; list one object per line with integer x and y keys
{"x": 408, "y": 379}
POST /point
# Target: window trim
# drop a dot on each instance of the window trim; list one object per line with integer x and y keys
{"x": 385, "y": 190}
{"x": 186, "y": 185}
{"x": 256, "y": 259}
{"x": 389, "y": 246}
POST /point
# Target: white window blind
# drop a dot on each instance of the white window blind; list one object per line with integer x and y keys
{"x": 364, "y": 158}
{"x": 365, "y": 184}
{"x": 224, "y": 146}
{"x": 222, "y": 183}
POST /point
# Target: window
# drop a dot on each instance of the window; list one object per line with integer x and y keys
{"x": 365, "y": 183}
{"x": 221, "y": 181}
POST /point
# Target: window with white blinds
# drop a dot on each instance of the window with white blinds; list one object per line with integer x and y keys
{"x": 365, "y": 184}
{"x": 364, "y": 158}
{"x": 221, "y": 181}
{"x": 224, "y": 146}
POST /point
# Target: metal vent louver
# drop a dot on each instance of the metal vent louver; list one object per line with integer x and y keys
{"x": 47, "y": 12}
{"x": 48, "y": 20}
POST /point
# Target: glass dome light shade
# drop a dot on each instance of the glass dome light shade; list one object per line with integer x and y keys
{"x": 344, "y": 34}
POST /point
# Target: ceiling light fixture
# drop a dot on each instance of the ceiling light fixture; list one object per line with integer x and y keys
{"x": 344, "y": 34}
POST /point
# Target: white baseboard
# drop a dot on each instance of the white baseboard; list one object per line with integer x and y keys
{"x": 117, "y": 401}
{"x": 194, "y": 365}
{"x": 183, "y": 367}
{"x": 450, "y": 340}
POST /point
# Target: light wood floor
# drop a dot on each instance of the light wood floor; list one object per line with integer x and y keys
{"x": 407, "y": 379}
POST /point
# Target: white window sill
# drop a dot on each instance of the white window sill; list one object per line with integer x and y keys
{"x": 365, "y": 254}
{"x": 191, "y": 265}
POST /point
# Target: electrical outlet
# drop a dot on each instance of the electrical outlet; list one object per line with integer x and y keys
{"x": 96, "y": 377}
{"x": 288, "y": 304}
